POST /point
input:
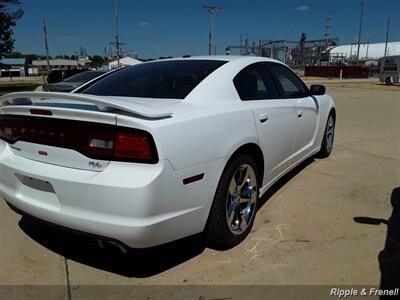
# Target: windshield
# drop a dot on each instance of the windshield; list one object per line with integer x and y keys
{"x": 84, "y": 77}
{"x": 162, "y": 79}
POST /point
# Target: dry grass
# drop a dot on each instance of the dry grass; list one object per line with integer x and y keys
{"x": 21, "y": 80}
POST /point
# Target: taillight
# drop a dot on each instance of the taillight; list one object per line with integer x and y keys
{"x": 98, "y": 141}
{"x": 134, "y": 146}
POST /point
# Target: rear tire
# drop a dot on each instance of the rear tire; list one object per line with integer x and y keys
{"x": 329, "y": 136}
{"x": 234, "y": 208}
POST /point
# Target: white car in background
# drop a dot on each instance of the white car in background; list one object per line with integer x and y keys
{"x": 161, "y": 150}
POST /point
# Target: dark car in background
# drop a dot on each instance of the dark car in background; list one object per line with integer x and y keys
{"x": 60, "y": 75}
{"x": 73, "y": 82}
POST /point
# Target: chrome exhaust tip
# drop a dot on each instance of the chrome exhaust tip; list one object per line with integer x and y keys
{"x": 105, "y": 244}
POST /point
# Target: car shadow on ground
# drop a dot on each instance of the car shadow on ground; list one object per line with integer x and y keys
{"x": 389, "y": 257}
{"x": 138, "y": 263}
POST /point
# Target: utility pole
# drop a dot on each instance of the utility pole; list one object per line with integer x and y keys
{"x": 46, "y": 46}
{"x": 328, "y": 28}
{"x": 213, "y": 10}
{"x": 117, "y": 43}
{"x": 77, "y": 59}
{"x": 359, "y": 30}
{"x": 241, "y": 44}
{"x": 387, "y": 36}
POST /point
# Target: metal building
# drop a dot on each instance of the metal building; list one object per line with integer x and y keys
{"x": 367, "y": 51}
{"x": 15, "y": 67}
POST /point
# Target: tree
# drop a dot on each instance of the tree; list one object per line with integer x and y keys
{"x": 31, "y": 57}
{"x": 15, "y": 54}
{"x": 7, "y": 22}
{"x": 96, "y": 61}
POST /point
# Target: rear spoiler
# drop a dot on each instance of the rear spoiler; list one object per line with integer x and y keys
{"x": 104, "y": 103}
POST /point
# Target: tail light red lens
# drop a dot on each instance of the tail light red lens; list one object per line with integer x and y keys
{"x": 95, "y": 140}
{"x": 130, "y": 145}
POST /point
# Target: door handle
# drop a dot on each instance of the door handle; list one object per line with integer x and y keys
{"x": 263, "y": 118}
{"x": 299, "y": 114}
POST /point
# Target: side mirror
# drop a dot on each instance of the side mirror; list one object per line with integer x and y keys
{"x": 317, "y": 89}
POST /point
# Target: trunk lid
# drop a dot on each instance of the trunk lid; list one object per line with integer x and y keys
{"x": 52, "y": 123}
{"x": 48, "y": 133}
{"x": 103, "y": 103}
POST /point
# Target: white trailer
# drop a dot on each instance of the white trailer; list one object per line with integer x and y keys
{"x": 390, "y": 69}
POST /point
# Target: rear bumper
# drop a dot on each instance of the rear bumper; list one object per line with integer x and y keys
{"x": 140, "y": 205}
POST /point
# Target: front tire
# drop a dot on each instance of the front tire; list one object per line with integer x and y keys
{"x": 328, "y": 139}
{"x": 233, "y": 211}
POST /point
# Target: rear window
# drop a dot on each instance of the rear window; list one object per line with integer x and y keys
{"x": 163, "y": 79}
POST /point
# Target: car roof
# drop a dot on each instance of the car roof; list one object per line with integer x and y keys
{"x": 227, "y": 58}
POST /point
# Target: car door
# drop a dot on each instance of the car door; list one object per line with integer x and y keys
{"x": 305, "y": 105}
{"x": 274, "y": 117}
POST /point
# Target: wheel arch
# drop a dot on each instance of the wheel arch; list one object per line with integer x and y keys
{"x": 255, "y": 152}
{"x": 333, "y": 112}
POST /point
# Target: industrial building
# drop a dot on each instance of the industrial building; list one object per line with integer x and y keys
{"x": 40, "y": 66}
{"x": 14, "y": 67}
{"x": 124, "y": 61}
{"x": 375, "y": 51}
{"x": 316, "y": 52}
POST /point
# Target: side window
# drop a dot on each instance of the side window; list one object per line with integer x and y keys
{"x": 291, "y": 85}
{"x": 255, "y": 83}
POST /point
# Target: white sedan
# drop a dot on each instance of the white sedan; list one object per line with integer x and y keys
{"x": 161, "y": 150}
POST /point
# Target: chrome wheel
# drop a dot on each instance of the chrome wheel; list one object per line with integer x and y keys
{"x": 330, "y": 134}
{"x": 241, "y": 199}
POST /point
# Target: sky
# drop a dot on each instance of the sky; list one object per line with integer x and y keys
{"x": 156, "y": 28}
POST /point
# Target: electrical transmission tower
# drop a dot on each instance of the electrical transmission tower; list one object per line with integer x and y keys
{"x": 213, "y": 10}
{"x": 328, "y": 27}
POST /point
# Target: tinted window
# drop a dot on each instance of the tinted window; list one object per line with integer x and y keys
{"x": 162, "y": 79}
{"x": 59, "y": 75}
{"x": 255, "y": 82}
{"x": 291, "y": 85}
{"x": 85, "y": 76}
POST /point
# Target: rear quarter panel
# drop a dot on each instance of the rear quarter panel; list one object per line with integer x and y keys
{"x": 198, "y": 134}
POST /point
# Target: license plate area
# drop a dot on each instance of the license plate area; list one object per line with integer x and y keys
{"x": 38, "y": 192}
{"x": 36, "y": 184}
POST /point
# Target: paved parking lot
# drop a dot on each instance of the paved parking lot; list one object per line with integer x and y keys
{"x": 329, "y": 222}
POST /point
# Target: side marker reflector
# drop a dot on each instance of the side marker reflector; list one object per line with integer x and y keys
{"x": 193, "y": 179}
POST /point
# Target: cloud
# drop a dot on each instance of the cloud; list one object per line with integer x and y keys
{"x": 144, "y": 24}
{"x": 302, "y": 8}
